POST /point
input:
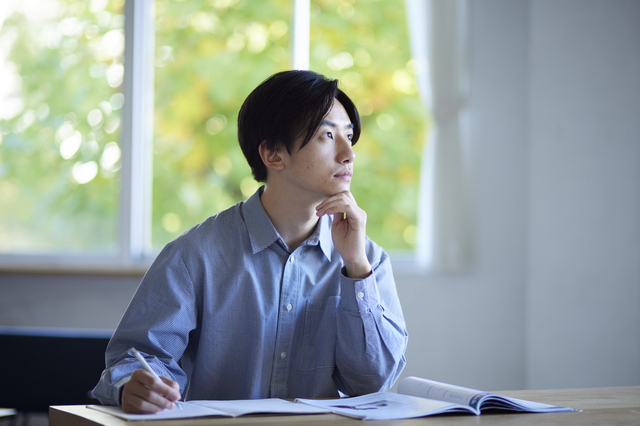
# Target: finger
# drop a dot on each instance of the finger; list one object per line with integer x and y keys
{"x": 148, "y": 396}
{"x": 349, "y": 212}
{"x": 144, "y": 393}
{"x": 166, "y": 391}
{"x": 345, "y": 195}
{"x": 341, "y": 196}
{"x": 174, "y": 392}
{"x": 336, "y": 205}
{"x": 137, "y": 398}
{"x": 135, "y": 404}
{"x": 166, "y": 387}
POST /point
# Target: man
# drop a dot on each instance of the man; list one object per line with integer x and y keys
{"x": 282, "y": 295}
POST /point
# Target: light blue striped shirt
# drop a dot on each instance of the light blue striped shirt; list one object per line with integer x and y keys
{"x": 228, "y": 312}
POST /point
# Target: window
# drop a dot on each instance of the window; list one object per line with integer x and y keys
{"x": 365, "y": 45}
{"x": 208, "y": 59}
{"x": 61, "y": 67}
{"x": 71, "y": 167}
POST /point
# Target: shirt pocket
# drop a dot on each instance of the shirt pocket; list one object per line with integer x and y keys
{"x": 319, "y": 336}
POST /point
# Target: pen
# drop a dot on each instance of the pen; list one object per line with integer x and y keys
{"x": 144, "y": 363}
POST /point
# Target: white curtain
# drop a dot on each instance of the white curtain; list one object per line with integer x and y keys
{"x": 437, "y": 32}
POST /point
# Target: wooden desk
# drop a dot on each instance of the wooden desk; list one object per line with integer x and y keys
{"x": 601, "y": 406}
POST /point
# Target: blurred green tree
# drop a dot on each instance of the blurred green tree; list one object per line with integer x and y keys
{"x": 59, "y": 125}
{"x": 210, "y": 55}
{"x": 61, "y": 101}
{"x": 365, "y": 44}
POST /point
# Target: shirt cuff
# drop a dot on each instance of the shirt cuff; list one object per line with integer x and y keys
{"x": 118, "y": 388}
{"x": 359, "y": 296}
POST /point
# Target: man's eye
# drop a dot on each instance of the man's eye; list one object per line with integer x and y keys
{"x": 329, "y": 135}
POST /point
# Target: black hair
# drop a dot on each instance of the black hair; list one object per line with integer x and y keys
{"x": 288, "y": 106}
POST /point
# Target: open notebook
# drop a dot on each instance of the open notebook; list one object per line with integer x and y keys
{"x": 421, "y": 397}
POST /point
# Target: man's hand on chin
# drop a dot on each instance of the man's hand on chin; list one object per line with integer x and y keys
{"x": 348, "y": 232}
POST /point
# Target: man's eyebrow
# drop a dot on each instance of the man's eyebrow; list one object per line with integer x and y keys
{"x": 334, "y": 124}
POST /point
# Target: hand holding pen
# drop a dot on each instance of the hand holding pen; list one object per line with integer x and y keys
{"x": 146, "y": 392}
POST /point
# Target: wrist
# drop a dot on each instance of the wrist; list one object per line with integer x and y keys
{"x": 358, "y": 270}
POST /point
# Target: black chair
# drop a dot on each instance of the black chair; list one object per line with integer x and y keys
{"x": 40, "y": 367}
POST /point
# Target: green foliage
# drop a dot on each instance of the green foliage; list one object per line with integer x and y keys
{"x": 47, "y": 142}
{"x": 59, "y": 156}
{"x": 209, "y": 56}
{"x": 365, "y": 44}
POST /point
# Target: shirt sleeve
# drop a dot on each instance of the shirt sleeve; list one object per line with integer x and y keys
{"x": 371, "y": 332}
{"x": 157, "y": 323}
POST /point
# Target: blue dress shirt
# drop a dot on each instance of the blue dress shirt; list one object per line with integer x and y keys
{"x": 228, "y": 312}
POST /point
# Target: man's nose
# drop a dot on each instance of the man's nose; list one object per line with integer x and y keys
{"x": 346, "y": 153}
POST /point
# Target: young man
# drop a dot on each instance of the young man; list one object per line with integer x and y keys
{"x": 280, "y": 296}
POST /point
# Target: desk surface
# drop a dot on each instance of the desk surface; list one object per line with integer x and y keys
{"x": 619, "y": 405}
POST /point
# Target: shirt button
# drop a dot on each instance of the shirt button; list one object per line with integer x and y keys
{"x": 292, "y": 259}
{"x": 289, "y": 307}
{"x": 283, "y": 355}
{"x": 361, "y": 295}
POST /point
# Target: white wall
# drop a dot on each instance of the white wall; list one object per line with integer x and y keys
{"x": 553, "y": 299}
{"x": 73, "y": 301}
{"x": 584, "y": 194}
{"x": 467, "y": 328}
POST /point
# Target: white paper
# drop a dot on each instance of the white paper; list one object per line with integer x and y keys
{"x": 260, "y": 406}
{"x": 232, "y": 408}
{"x": 183, "y": 410}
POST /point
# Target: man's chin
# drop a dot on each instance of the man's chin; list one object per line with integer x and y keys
{"x": 339, "y": 191}
{"x": 334, "y": 190}
{"x": 342, "y": 187}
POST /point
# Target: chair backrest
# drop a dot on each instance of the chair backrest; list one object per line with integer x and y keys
{"x": 40, "y": 367}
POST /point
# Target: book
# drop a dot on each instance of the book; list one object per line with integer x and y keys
{"x": 418, "y": 397}
{"x": 218, "y": 408}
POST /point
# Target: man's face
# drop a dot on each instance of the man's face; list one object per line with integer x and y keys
{"x": 324, "y": 166}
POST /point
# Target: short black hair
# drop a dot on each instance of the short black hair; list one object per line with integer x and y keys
{"x": 285, "y": 107}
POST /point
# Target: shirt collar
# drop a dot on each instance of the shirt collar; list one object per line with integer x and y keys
{"x": 262, "y": 233}
{"x": 324, "y": 236}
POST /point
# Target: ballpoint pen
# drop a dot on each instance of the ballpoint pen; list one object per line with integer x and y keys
{"x": 144, "y": 363}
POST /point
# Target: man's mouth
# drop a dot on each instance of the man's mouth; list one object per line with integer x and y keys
{"x": 346, "y": 175}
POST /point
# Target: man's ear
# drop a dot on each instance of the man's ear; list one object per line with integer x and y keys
{"x": 271, "y": 158}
